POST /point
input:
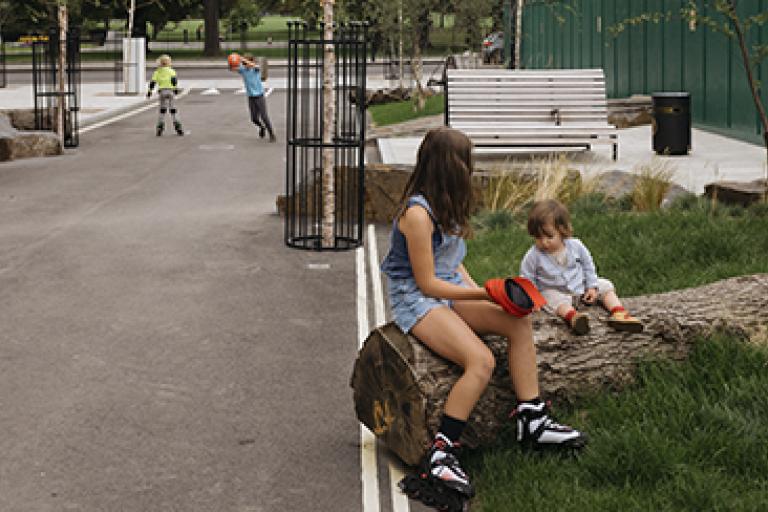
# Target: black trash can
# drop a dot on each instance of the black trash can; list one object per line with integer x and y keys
{"x": 671, "y": 123}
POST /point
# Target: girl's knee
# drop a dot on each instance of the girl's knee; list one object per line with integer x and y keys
{"x": 482, "y": 365}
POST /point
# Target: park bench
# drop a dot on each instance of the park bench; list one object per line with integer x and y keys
{"x": 529, "y": 111}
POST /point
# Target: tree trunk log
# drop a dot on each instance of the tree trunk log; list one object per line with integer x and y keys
{"x": 400, "y": 386}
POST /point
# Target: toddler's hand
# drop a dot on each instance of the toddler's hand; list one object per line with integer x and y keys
{"x": 589, "y": 296}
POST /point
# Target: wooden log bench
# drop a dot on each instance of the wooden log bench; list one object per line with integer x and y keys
{"x": 400, "y": 386}
{"x": 529, "y": 111}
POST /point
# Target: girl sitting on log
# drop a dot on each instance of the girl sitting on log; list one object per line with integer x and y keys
{"x": 562, "y": 268}
{"x": 434, "y": 298}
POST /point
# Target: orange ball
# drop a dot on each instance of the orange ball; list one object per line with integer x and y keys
{"x": 233, "y": 60}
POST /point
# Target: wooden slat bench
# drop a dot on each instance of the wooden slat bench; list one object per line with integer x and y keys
{"x": 526, "y": 111}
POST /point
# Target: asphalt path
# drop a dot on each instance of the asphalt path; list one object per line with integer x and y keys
{"x": 160, "y": 347}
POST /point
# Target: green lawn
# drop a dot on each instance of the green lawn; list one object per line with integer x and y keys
{"x": 399, "y": 111}
{"x": 642, "y": 253}
{"x": 687, "y": 436}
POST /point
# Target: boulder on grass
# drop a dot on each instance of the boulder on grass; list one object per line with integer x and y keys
{"x": 737, "y": 192}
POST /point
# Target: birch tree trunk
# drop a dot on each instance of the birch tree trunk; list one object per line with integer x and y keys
{"x": 400, "y": 386}
{"x": 400, "y": 43}
{"x": 518, "y": 32}
{"x": 329, "y": 118}
{"x": 61, "y": 105}
{"x": 416, "y": 69}
{"x": 131, "y": 14}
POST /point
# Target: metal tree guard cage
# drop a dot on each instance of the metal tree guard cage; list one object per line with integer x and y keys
{"x": 45, "y": 79}
{"x": 304, "y": 166}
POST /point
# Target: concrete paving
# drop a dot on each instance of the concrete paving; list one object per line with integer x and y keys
{"x": 99, "y": 101}
{"x": 713, "y": 157}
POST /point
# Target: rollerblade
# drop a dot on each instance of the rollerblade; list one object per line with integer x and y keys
{"x": 160, "y": 128}
{"x": 177, "y": 126}
{"x": 536, "y": 429}
{"x": 440, "y": 482}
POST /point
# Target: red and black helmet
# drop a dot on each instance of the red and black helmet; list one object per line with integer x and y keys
{"x": 518, "y": 296}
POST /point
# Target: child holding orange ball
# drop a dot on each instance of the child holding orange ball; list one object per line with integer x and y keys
{"x": 246, "y": 66}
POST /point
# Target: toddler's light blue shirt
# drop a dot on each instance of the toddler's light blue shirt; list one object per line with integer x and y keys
{"x": 574, "y": 278}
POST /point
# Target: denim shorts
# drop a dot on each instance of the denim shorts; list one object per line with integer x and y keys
{"x": 409, "y": 305}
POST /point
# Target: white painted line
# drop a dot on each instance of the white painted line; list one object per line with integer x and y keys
{"x": 210, "y": 92}
{"x": 126, "y": 115}
{"x": 378, "y": 293}
{"x": 369, "y": 475}
{"x": 399, "y": 500}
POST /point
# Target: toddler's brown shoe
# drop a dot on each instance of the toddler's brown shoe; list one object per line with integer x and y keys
{"x": 623, "y": 321}
{"x": 580, "y": 323}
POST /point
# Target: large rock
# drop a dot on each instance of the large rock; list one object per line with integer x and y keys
{"x": 384, "y": 185}
{"x": 21, "y": 119}
{"x": 22, "y": 144}
{"x": 400, "y": 386}
{"x": 737, "y": 192}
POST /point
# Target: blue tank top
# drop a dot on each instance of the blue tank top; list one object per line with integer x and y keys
{"x": 448, "y": 250}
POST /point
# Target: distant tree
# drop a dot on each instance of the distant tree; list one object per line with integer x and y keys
{"x": 244, "y": 14}
{"x": 470, "y": 20}
{"x": 211, "y": 46}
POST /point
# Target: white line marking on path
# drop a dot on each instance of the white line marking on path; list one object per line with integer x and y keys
{"x": 399, "y": 500}
{"x": 369, "y": 476}
{"x": 127, "y": 114}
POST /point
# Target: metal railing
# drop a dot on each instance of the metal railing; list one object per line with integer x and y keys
{"x": 304, "y": 180}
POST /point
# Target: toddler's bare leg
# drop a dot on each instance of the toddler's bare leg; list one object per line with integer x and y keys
{"x": 610, "y": 300}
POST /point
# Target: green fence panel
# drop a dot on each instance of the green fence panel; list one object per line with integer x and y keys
{"x": 668, "y": 55}
{"x": 654, "y": 48}
{"x": 695, "y": 70}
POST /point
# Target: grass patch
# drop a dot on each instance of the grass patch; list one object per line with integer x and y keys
{"x": 399, "y": 111}
{"x": 688, "y": 436}
{"x": 687, "y": 245}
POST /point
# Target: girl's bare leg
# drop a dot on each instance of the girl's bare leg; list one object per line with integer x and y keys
{"x": 446, "y": 333}
{"x": 485, "y": 317}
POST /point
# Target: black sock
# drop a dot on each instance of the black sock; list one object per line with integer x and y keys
{"x": 532, "y": 401}
{"x": 451, "y": 427}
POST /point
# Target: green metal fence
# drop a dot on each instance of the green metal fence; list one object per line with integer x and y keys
{"x": 668, "y": 55}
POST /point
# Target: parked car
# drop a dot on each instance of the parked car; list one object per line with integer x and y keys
{"x": 493, "y": 48}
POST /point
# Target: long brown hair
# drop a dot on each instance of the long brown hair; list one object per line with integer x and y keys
{"x": 443, "y": 175}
